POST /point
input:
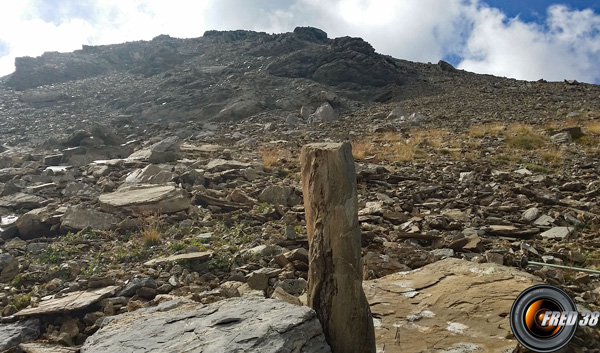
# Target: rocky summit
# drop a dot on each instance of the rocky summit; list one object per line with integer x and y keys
{"x": 153, "y": 189}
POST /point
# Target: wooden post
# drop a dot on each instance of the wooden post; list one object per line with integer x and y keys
{"x": 335, "y": 272}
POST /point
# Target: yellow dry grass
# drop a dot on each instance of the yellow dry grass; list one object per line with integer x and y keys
{"x": 151, "y": 231}
{"x": 477, "y": 131}
{"x": 395, "y": 147}
{"x": 593, "y": 127}
{"x": 273, "y": 155}
{"x": 518, "y": 129}
{"x": 553, "y": 156}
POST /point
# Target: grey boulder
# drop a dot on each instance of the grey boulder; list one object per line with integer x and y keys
{"x": 228, "y": 326}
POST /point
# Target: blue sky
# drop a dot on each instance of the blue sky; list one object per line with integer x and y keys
{"x": 528, "y": 40}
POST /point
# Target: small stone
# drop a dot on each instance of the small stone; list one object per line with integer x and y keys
{"x": 258, "y": 280}
{"x": 443, "y": 253}
{"x": 495, "y": 258}
{"x": 146, "y": 293}
{"x": 290, "y": 232}
{"x": 559, "y": 233}
{"x": 544, "y": 220}
{"x": 531, "y": 214}
{"x": 281, "y": 294}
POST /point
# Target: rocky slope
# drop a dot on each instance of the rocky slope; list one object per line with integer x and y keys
{"x": 141, "y": 172}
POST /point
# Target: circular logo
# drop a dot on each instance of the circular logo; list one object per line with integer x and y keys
{"x": 542, "y": 318}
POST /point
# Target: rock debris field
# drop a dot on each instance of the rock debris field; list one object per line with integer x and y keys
{"x": 150, "y": 195}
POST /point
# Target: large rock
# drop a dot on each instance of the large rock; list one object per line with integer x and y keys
{"x": 36, "y": 223}
{"x": 450, "y": 303}
{"x": 21, "y": 201}
{"x": 279, "y": 195}
{"x": 146, "y": 199}
{"x": 78, "y": 218}
{"x": 163, "y": 151}
{"x": 324, "y": 114}
{"x": 151, "y": 174}
{"x": 12, "y": 334}
{"x": 233, "y": 325}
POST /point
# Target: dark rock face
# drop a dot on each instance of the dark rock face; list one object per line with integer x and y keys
{"x": 351, "y": 60}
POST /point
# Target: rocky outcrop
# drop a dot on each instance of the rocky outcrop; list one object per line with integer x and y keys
{"x": 449, "y": 304}
{"x": 233, "y": 325}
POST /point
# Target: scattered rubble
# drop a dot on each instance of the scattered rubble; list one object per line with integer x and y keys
{"x": 189, "y": 187}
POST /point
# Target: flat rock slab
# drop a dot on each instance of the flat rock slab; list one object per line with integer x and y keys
{"x": 560, "y": 233}
{"x": 146, "y": 198}
{"x": 228, "y": 326}
{"x": 35, "y": 347}
{"x": 449, "y": 304}
{"x": 78, "y": 218}
{"x": 70, "y": 302}
{"x": 21, "y": 200}
{"x": 204, "y": 255}
{"x": 219, "y": 165}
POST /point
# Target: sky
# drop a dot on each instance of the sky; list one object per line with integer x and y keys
{"x": 528, "y": 40}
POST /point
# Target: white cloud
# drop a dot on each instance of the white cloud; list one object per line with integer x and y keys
{"x": 566, "y": 45}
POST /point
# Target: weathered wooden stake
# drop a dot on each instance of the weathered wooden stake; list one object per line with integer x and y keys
{"x": 335, "y": 272}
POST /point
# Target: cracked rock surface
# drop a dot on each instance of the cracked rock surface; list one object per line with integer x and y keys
{"x": 236, "y": 325}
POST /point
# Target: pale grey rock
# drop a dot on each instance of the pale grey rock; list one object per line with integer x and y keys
{"x": 13, "y": 334}
{"x": 544, "y": 220}
{"x": 531, "y": 214}
{"x": 151, "y": 174}
{"x": 8, "y": 227}
{"x": 146, "y": 198}
{"x": 136, "y": 284}
{"x": 21, "y": 200}
{"x": 323, "y": 114}
{"x": 396, "y": 114}
{"x": 279, "y": 195}
{"x": 228, "y": 326}
{"x": 559, "y": 233}
{"x": 561, "y": 138}
{"x": 219, "y": 165}
{"x": 78, "y": 218}
{"x": 163, "y": 151}
{"x": 293, "y": 120}
{"x": 36, "y": 223}
{"x": 292, "y": 286}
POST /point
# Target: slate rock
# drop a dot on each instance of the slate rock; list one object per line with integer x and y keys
{"x": 146, "y": 198}
{"x": 559, "y": 233}
{"x": 323, "y": 114}
{"x": 136, "y": 284}
{"x": 78, "y": 218}
{"x": 35, "y": 224}
{"x": 232, "y": 325}
{"x": 13, "y": 334}
{"x": 151, "y": 174}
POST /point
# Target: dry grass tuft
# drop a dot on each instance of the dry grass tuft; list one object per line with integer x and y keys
{"x": 362, "y": 149}
{"x": 526, "y": 142}
{"x": 553, "y": 156}
{"x": 477, "y": 131}
{"x": 396, "y": 147}
{"x": 518, "y": 129}
{"x": 151, "y": 231}
{"x": 593, "y": 127}
{"x": 274, "y": 155}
